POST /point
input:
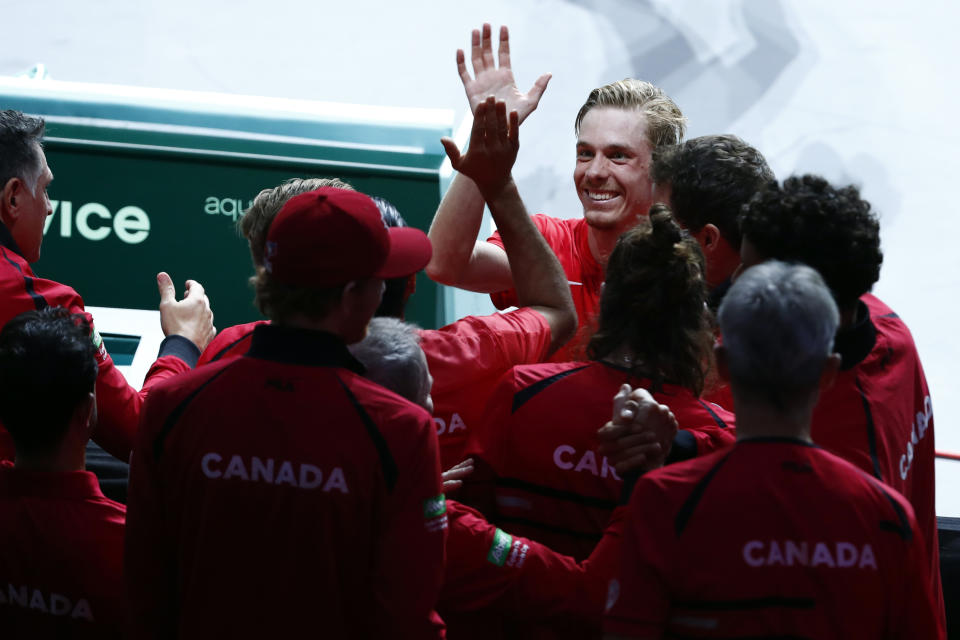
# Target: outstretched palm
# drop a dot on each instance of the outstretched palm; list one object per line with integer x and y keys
{"x": 489, "y": 79}
{"x": 494, "y": 141}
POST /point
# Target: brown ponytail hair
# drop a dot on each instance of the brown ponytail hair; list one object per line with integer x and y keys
{"x": 654, "y": 304}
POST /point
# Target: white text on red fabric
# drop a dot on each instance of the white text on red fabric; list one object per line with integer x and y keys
{"x": 790, "y": 553}
{"x": 53, "y": 604}
{"x": 267, "y": 470}
{"x": 567, "y": 458}
{"x": 919, "y": 429}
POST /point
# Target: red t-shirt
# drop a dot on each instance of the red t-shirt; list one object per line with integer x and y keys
{"x": 495, "y": 581}
{"x": 280, "y": 492}
{"x": 61, "y": 556}
{"x": 539, "y": 441}
{"x": 118, "y": 404}
{"x": 774, "y": 538}
{"x": 466, "y": 359}
{"x": 569, "y": 241}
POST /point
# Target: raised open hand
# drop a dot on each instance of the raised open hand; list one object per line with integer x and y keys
{"x": 494, "y": 142}
{"x": 491, "y": 79}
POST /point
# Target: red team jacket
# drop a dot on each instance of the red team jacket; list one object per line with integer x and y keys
{"x": 61, "y": 556}
{"x": 539, "y": 441}
{"x": 878, "y": 415}
{"x": 569, "y": 241}
{"x": 282, "y": 493}
{"x": 801, "y": 544}
{"x": 118, "y": 404}
{"x": 466, "y": 359}
{"x": 493, "y": 579}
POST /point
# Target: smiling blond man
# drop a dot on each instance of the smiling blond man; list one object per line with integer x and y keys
{"x": 617, "y": 129}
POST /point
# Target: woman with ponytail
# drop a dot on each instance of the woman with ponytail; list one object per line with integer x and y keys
{"x": 539, "y": 470}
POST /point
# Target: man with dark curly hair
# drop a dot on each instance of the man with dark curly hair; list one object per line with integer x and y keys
{"x": 706, "y": 181}
{"x": 878, "y": 413}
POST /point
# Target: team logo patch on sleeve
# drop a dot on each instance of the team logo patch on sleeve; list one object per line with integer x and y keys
{"x": 435, "y": 513}
{"x": 499, "y": 550}
{"x": 98, "y": 344}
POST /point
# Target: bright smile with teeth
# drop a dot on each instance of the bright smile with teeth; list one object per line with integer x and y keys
{"x": 601, "y": 195}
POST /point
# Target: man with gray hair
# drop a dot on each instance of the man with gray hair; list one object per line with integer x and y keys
{"x": 24, "y": 205}
{"x": 393, "y": 358}
{"x": 617, "y": 128}
{"x": 810, "y": 545}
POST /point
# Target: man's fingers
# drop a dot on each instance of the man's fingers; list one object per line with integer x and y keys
{"x": 451, "y": 485}
{"x": 626, "y": 466}
{"x": 476, "y": 55}
{"x": 618, "y": 399}
{"x": 636, "y": 440}
{"x": 468, "y": 463}
{"x": 462, "y": 68}
{"x": 615, "y": 447}
{"x": 612, "y": 431}
{"x": 193, "y": 290}
{"x": 457, "y": 474}
{"x": 501, "y": 118}
{"x": 165, "y": 285}
{"x": 536, "y": 91}
{"x": 636, "y": 457}
{"x": 489, "y": 120}
{"x": 487, "y": 47}
{"x": 503, "y": 53}
{"x": 452, "y": 152}
{"x": 629, "y": 410}
{"x": 514, "y": 128}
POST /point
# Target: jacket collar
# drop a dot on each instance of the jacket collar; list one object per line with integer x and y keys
{"x": 854, "y": 343}
{"x": 302, "y": 347}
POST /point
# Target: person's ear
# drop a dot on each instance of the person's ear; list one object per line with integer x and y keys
{"x": 710, "y": 238}
{"x": 8, "y": 199}
{"x": 411, "y": 288}
{"x": 351, "y": 287}
{"x": 84, "y": 416}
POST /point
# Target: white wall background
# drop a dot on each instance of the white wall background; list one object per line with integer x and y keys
{"x": 861, "y": 92}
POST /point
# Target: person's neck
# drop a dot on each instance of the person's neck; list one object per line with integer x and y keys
{"x": 68, "y": 458}
{"x": 329, "y": 324}
{"x": 848, "y": 316}
{"x": 761, "y": 419}
{"x": 602, "y": 242}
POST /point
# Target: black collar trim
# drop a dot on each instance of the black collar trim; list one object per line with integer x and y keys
{"x": 301, "y": 346}
{"x": 778, "y": 439}
{"x": 6, "y": 239}
{"x": 855, "y": 343}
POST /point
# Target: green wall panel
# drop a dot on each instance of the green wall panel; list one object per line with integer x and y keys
{"x": 132, "y": 201}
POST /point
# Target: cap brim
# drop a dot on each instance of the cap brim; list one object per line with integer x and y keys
{"x": 410, "y": 251}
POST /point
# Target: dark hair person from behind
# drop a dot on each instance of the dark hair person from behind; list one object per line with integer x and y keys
{"x": 61, "y": 540}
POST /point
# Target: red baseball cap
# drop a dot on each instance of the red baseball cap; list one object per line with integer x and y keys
{"x": 329, "y": 237}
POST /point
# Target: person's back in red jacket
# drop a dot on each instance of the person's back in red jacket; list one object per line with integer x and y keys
{"x": 801, "y": 543}
{"x": 61, "y": 540}
{"x": 276, "y": 490}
